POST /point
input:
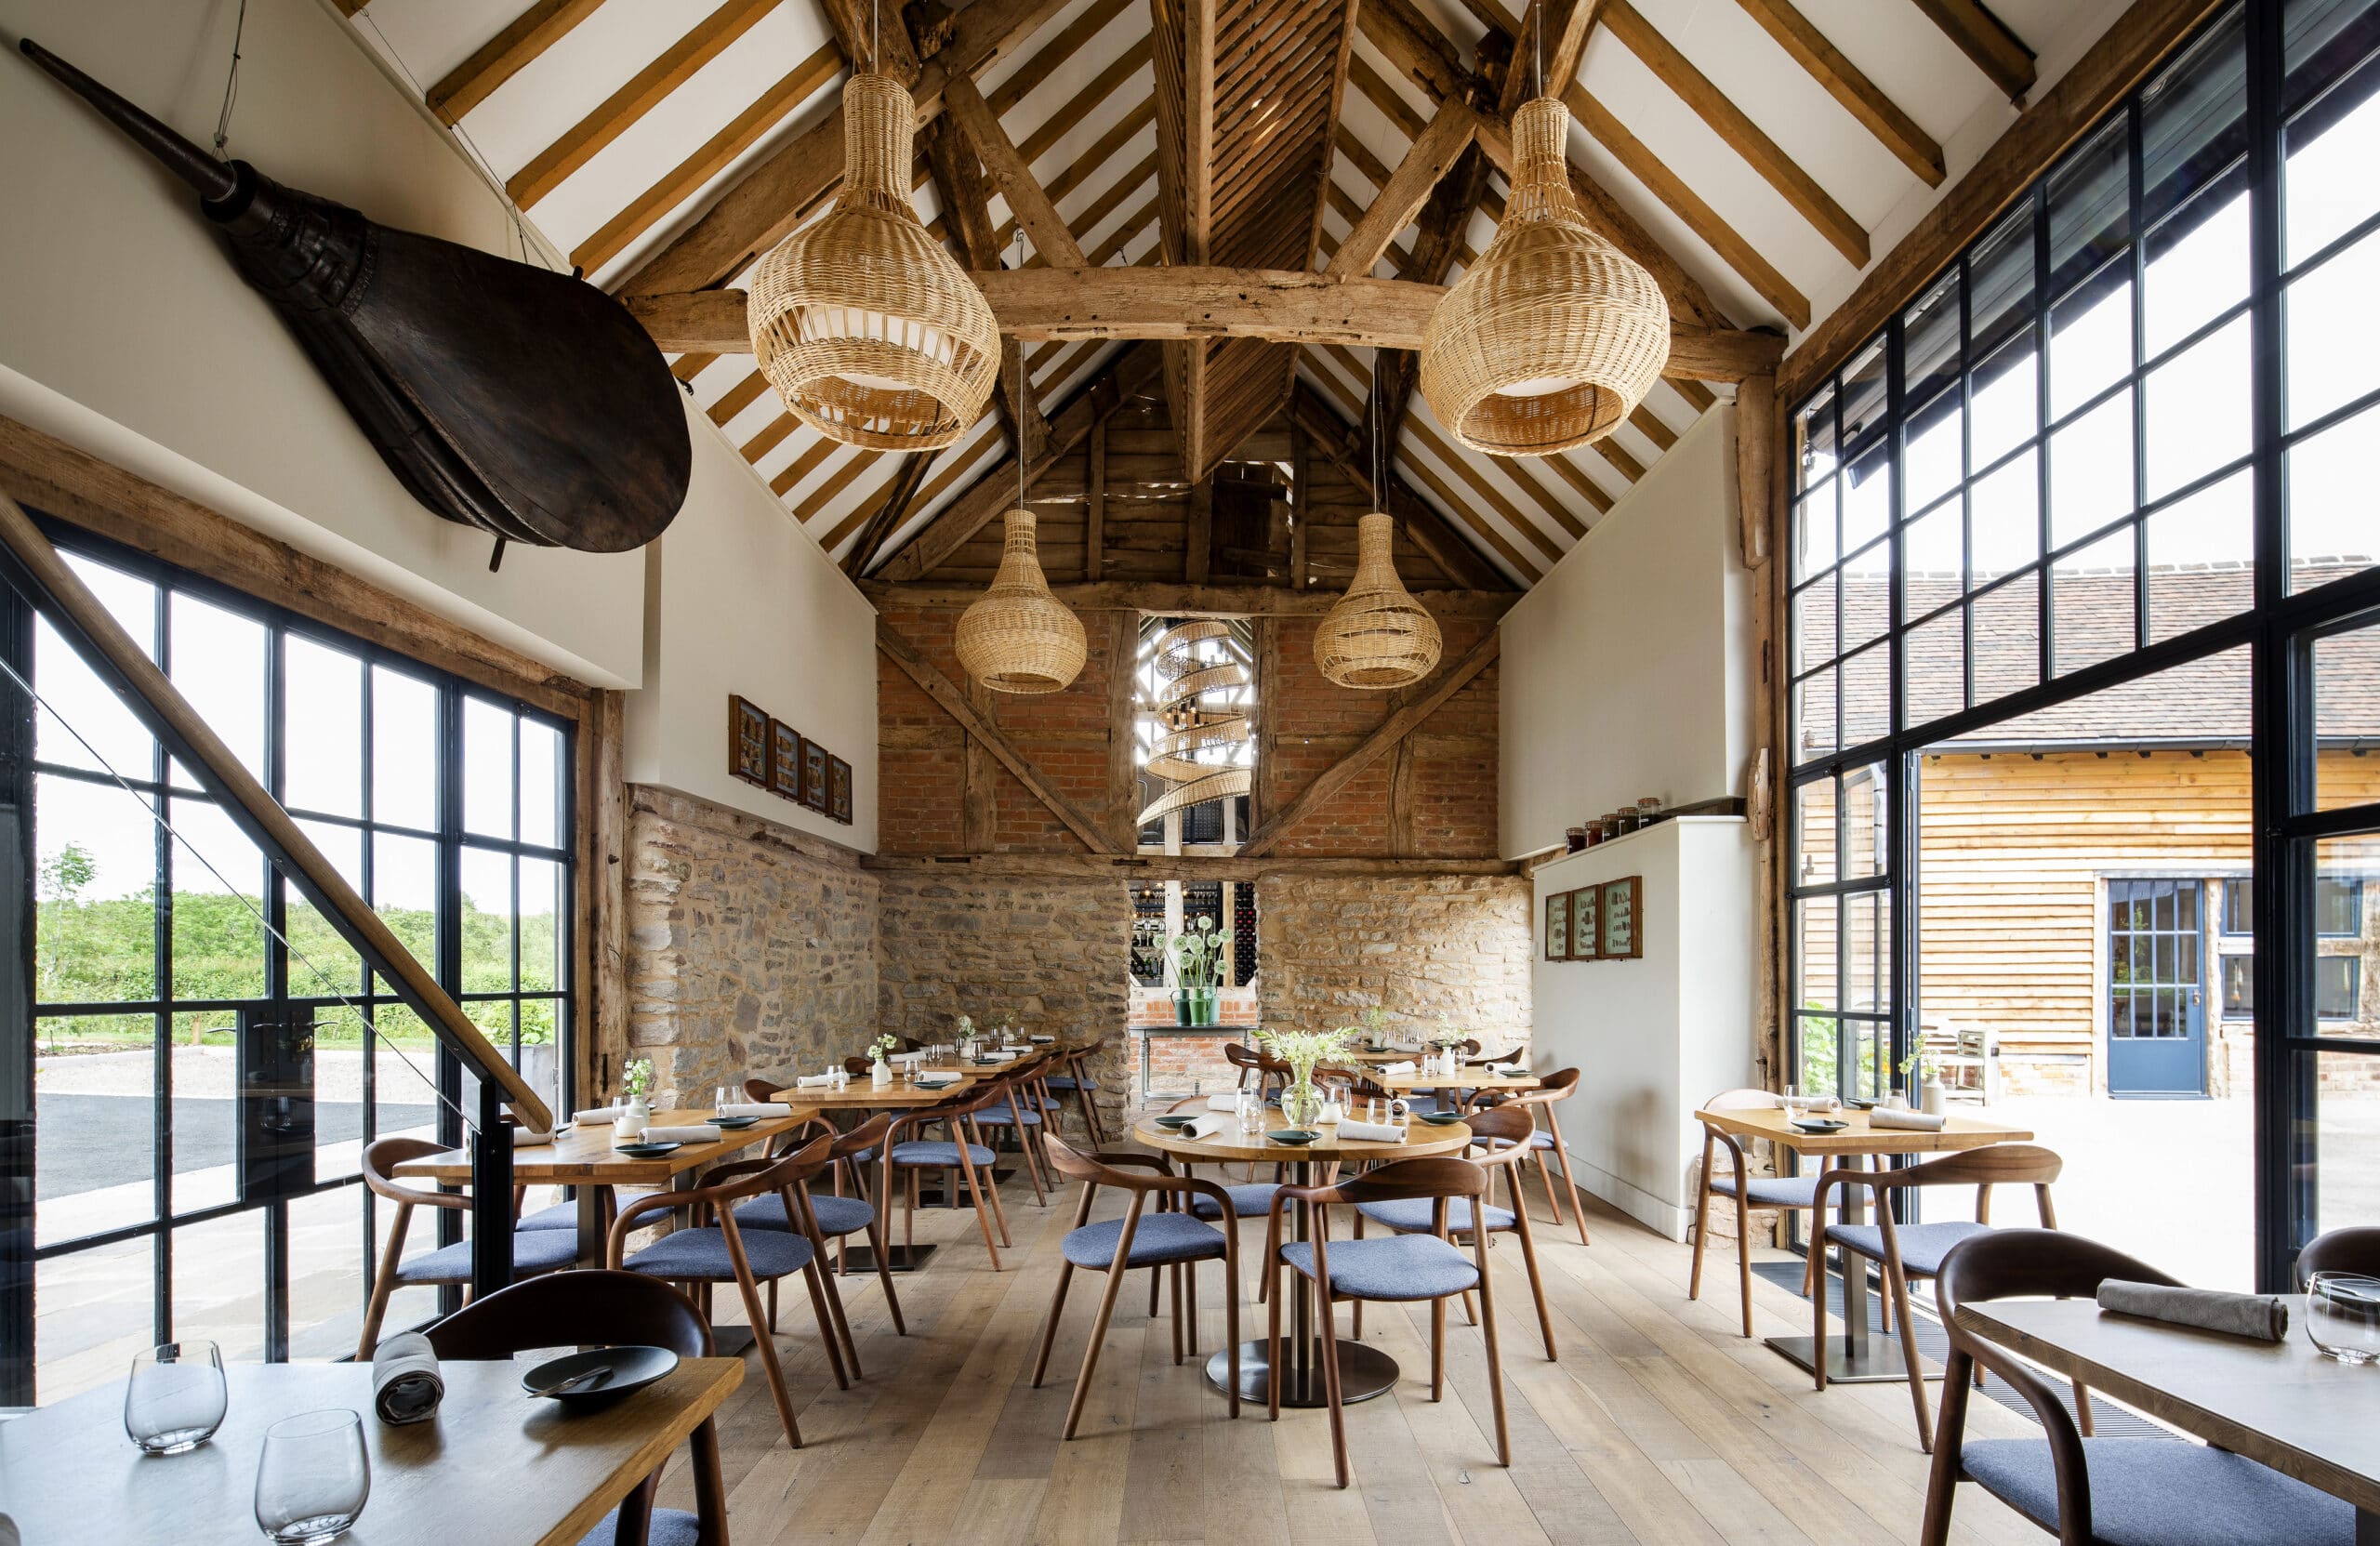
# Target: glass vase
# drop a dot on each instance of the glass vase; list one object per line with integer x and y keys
{"x": 1301, "y": 1104}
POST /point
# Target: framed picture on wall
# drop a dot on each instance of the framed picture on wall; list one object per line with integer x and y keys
{"x": 813, "y": 775}
{"x": 748, "y": 741}
{"x": 1621, "y": 938}
{"x": 785, "y": 759}
{"x": 1557, "y": 927}
{"x": 1585, "y": 932}
{"x": 838, "y": 789}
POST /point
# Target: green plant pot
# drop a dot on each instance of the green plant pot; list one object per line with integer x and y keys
{"x": 1202, "y": 1006}
{"x": 1182, "y": 1015}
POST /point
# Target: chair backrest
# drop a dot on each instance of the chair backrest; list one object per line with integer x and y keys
{"x": 588, "y": 1308}
{"x": 2016, "y": 1164}
{"x": 1510, "y": 1123}
{"x": 864, "y": 1137}
{"x": 2354, "y": 1250}
{"x": 1742, "y": 1100}
{"x": 382, "y": 1156}
{"x": 763, "y": 1089}
{"x": 1399, "y": 1180}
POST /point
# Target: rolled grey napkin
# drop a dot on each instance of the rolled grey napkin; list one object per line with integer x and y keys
{"x": 1917, "y": 1121}
{"x": 2257, "y": 1315}
{"x": 407, "y": 1387}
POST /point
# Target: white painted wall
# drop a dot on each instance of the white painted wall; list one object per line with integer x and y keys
{"x": 1625, "y": 671}
{"x": 1652, "y": 1037}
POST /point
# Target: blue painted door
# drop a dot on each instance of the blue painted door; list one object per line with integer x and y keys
{"x": 2156, "y": 989}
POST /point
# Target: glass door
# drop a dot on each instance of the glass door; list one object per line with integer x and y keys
{"x": 2156, "y": 988}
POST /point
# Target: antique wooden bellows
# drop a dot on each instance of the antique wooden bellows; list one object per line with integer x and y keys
{"x": 503, "y": 396}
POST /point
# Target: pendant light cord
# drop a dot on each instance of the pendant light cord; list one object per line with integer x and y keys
{"x": 231, "y": 83}
{"x": 1016, "y": 409}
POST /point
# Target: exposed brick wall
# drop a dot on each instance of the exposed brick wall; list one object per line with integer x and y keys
{"x": 751, "y": 949}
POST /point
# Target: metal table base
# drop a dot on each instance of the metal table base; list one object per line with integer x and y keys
{"x": 1364, "y": 1372}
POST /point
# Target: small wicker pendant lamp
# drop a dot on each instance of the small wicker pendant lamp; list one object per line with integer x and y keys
{"x": 1016, "y": 636}
{"x": 1555, "y": 335}
{"x": 1377, "y": 636}
{"x": 870, "y": 332}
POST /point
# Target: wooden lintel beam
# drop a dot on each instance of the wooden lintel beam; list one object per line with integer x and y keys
{"x": 1860, "y": 97}
{"x": 1985, "y": 40}
{"x": 1199, "y": 304}
{"x": 1026, "y": 199}
{"x": 953, "y": 699}
{"x": 520, "y": 45}
{"x": 1185, "y": 867}
{"x": 1450, "y": 680}
{"x": 1427, "y": 161}
{"x": 1162, "y": 598}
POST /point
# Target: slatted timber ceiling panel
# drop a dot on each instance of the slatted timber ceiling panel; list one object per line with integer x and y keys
{"x": 1747, "y": 151}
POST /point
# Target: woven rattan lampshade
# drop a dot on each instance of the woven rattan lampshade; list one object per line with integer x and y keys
{"x": 867, "y": 329}
{"x": 1555, "y": 335}
{"x": 1376, "y": 635}
{"x": 1018, "y": 637}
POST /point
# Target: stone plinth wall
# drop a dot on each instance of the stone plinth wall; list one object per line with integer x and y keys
{"x": 1418, "y": 945}
{"x": 751, "y": 949}
{"x": 1052, "y": 950}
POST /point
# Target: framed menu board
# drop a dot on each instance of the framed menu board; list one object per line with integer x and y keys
{"x": 1557, "y": 927}
{"x": 1620, "y": 939}
{"x": 1586, "y": 932}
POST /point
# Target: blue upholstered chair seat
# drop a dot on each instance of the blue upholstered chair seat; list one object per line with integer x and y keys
{"x": 561, "y": 1215}
{"x": 934, "y": 1151}
{"x": 533, "y": 1252}
{"x": 700, "y": 1255}
{"x": 836, "y": 1215}
{"x": 1251, "y": 1200}
{"x": 1001, "y": 1116}
{"x": 1161, "y": 1239}
{"x": 1540, "y": 1139}
{"x": 2165, "y": 1492}
{"x": 1774, "y": 1190}
{"x": 667, "y": 1527}
{"x": 1067, "y": 1081}
{"x": 1397, "y": 1267}
{"x": 1413, "y": 1214}
{"x": 1922, "y": 1246}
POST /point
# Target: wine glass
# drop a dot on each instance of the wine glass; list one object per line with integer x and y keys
{"x": 312, "y": 1478}
{"x": 176, "y": 1397}
{"x": 2342, "y": 1316}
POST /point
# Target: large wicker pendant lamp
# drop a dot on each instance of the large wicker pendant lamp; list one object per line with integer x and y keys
{"x": 1016, "y": 636}
{"x": 870, "y": 332}
{"x": 1555, "y": 335}
{"x": 1377, "y": 636}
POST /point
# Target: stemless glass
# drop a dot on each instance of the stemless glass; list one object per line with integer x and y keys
{"x": 175, "y": 1399}
{"x": 2342, "y": 1316}
{"x": 719, "y": 1100}
{"x": 314, "y": 1478}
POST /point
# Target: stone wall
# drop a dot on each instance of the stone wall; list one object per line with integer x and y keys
{"x": 752, "y": 948}
{"x": 1420, "y": 946}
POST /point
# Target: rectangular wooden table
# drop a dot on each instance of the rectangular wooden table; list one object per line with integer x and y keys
{"x": 494, "y": 1465}
{"x": 1476, "y": 1081}
{"x": 1855, "y": 1357}
{"x": 2280, "y": 1403}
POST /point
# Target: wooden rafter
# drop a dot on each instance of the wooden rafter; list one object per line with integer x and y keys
{"x": 520, "y": 45}
{"x": 785, "y": 186}
{"x": 1246, "y": 599}
{"x": 619, "y": 111}
{"x": 1169, "y": 303}
{"x": 885, "y": 517}
{"x": 958, "y": 183}
{"x": 1428, "y": 160}
{"x": 954, "y": 702}
{"x": 1090, "y": 164}
{"x": 1564, "y": 26}
{"x": 1420, "y": 520}
{"x": 1436, "y": 241}
{"x": 1987, "y": 41}
{"x": 1849, "y": 86}
{"x": 1400, "y": 724}
{"x": 1731, "y": 124}
{"x": 1010, "y": 175}
{"x": 1183, "y": 35}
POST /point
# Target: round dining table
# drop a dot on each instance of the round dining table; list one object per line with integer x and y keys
{"x": 1364, "y": 1370}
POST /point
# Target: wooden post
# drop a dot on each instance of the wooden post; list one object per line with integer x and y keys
{"x": 1094, "y": 536}
{"x": 1123, "y": 725}
{"x": 1301, "y": 507}
{"x": 979, "y": 812}
{"x": 1198, "y": 556}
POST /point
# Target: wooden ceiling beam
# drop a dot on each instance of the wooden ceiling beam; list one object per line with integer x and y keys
{"x": 886, "y": 517}
{"x": 1416, "y": 517}
{"x": 619, "y": 111}
{"x": 1334, "y": 119}
{"x": 958, "y": 183}
{"x": 1860, "y": 97}
{"x": 1090, "y": 164}
{"x": 1054, "y": 55}
{"x": 1219, "y": 599}
{"x": 1428, "y": 160}
{"x": 1986, "y": 41}
{"x": 1181, "y": 304}
{"x": 1010, "y": 176}
{"x": 785, "y": 186}
{"x": 1437, "y": 239}
{"x": 1565, "y": 25}
{"x": 520, "y": 45}
{"x": 1731, "y": 124}
{"x": 1401, "y": 722}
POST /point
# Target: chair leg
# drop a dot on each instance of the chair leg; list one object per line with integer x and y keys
{"x": 1811, "y": 1257}
{"x": 772, "y": 1304}
{"x": 1942, "y": 1489}
{"x": 1470, "y": 1308}
{"x": 2081, "y": 1407}
{"x": 827, "y": 1332}
{"x": 1157, "y": 1289}
{"x": 835, "y": 1308}
{"x": 1817, "y": 1319}
{"x": 1049, "y": 1328}
{"x": 1701, "y": 1229}
{"x": 909, "y": 1209}
{"x": 1569, "y": 1181}
{"x": 768, "y": 1346}
{"x": 1331, "y": 1385}
{"x": 1496, "y": 1366}
{"x": 984, "y": 1220}
{"x": 1528, "y": 1256}
{"x": 1552, "y": 1198}
{"x": 1231, "y": 1330}
{"x": 1437, "y": 1349}
{"x": 1743, "y": 1256}
{"x": 884, "y": 1275}
{"x": 1173, "y": 1277}
{"x": 1190, "y": 1313}
{"x": 992, "y": 1188}
{"x": 1090, "y": 1353}
{"x": 1273, "y": 1344}
{"x": 1898, "y": 1285}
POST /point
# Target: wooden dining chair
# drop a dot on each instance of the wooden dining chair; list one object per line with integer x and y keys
{"x": 1072, "y": 1074}
{"x": 1396, "y": 1269}
{"x": 1169, "y": 1241}
{"x": 1752, "y": 1194}
{"x": 704, "y": 1253}
{"x": 1552, "y": 1090}
{"x": 1916, "y": 1251}
{"x": 534, "y": 1250}
{"x": 837, "y": 1215}
{"x": 598, "y": 1308}
{"x": 1019, "y": 1112}
{"x": 1494, "y": 1133}
{"x": 1272, "y": 1075}
{"x": 1248, "y": 1200}
{"x": 2136, "y": 1492}
{"x": 907, "y": 1152}
{"x": 2353, "y": 1250}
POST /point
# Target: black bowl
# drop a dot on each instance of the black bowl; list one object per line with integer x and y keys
{"x": 632, "y": 1368}
{"x": 1174, "y": 1124}
{"x": 1295, "y": 1138}
{"x": 733, "y": 1124}
{"x": 642, "y": 1151}
{"x": 1442, "y": 1118}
